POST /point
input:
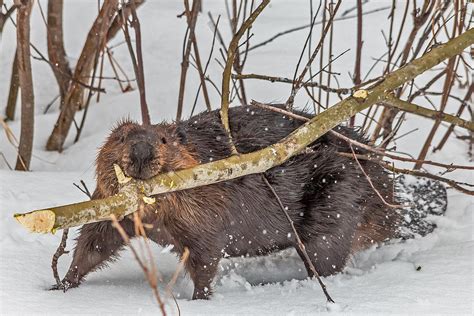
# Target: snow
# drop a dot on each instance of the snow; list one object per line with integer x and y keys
{"x": 432, "y": 275}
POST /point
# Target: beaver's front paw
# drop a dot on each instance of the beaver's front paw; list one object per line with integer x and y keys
{"x": 64, "y": 286}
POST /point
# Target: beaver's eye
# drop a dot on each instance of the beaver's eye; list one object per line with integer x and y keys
{"x": 163, "y": 140}
{"x": 122, "y": 139}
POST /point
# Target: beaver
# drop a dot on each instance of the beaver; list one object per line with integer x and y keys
{"x": 335, "y": 210}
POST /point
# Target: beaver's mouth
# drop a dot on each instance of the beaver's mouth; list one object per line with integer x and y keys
{"x": 142, "y": 172}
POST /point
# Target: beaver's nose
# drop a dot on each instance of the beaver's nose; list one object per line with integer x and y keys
{"x": 142, "y": 152}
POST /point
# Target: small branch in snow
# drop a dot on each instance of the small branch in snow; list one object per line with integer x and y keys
{"x": 62, "y": 245}
{"x": 172, "y": 282}
{"x": 149, "y": 270}
{"x": 59, "y": 252}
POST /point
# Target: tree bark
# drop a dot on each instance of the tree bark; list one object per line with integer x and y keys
{"x": 56, "y": 51}
{"x": 126, "y": 201}
{"x": 73, "y": 99}
{"x": 13, "y": 91}
{"x": 25, "y": 147}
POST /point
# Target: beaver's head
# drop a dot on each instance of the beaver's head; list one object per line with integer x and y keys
{"x": 142, "y": 151}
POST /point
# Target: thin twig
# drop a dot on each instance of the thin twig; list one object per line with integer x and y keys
{"x": 189, "y": 43}
{"x": 448, "y": 83}
{"x": 114, "y": 64}
{"x": 141, "y": 73}
{"x": 149, "y": 273}
{"x": 207, "y": 64}
{"x": 454, "y": 184}
{"x": 89, "y": 96}
{"x": 312, "y": 19}
{"x": 370, "y": 181}
{"x": 83, "y": 189}
{"x": 137, "y": 61}
{"x": 287, "y": 80}
{"x": 6, "y": 161}
{"x": 11, "y": 139}
{"x": 299, "y": 28}
{"x": 226, "y": 74}
{"x": 101, "y": 74}
{"x": 391, "y": 100}
{"x": 458, "y": 114}
{"x": 62, "y": 245}
{"x": 359, "y": 43}
{"x": 48, "y": 106}
{"x": 182, "y": 263}
{"x": 238, "y": 65}
{"x": 299, "y": 82}
{"x": 59, "y": 252}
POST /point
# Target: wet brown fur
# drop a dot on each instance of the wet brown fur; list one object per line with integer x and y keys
{"x": 335, "y": 210}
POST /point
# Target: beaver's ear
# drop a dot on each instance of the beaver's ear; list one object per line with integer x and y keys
{"x": 181, "y": 134}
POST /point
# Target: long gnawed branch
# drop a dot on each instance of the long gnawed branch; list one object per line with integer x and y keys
{"x": 126, "y": 202}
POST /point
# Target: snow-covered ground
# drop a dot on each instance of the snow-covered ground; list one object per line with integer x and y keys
{"x": 377, "y": 281}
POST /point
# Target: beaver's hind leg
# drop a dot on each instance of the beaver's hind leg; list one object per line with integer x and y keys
{"x": 326, "y": 258}
{"x": 96, "y": 244}
{"x": 328, "y": 228}
{"x": 202, "y": 267}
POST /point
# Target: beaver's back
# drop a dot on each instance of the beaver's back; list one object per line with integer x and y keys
{"x": 252, "y": 129}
